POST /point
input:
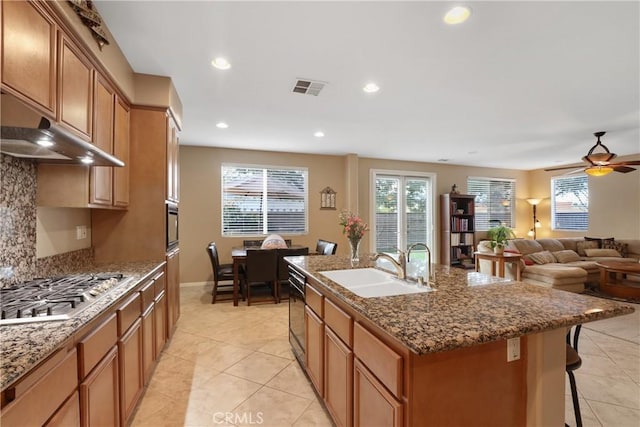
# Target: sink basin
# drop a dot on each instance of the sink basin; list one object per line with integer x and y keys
{"x": 371, "y": 282}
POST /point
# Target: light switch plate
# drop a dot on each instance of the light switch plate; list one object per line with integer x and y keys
{"x": 513, "y": 349}
{"x": 81, "y": 232}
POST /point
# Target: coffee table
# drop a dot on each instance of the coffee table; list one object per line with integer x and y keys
{"x": 500, "y": 259}
{"x": 613, "y": 275}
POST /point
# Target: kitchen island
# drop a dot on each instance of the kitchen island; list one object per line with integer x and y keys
{"x": 440, "y": 358}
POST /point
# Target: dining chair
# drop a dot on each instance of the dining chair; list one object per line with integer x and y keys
{"x": 325, "y": 247}
{"x": 261, "y": 268}
{"x": 283, "y": 269}
{"x": 221, "y": 272}
{"x": 573, "y": 362}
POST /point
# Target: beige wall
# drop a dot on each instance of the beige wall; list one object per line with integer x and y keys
{"x": 56, "y": 230}
{"x": 200, "y": 211}
{"x": 614, "y": 204}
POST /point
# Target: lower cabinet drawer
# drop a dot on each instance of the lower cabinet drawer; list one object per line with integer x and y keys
{"x": 45, "y": 396}
{"x": 383, "y": 362}
{"x": 94, "y": 346}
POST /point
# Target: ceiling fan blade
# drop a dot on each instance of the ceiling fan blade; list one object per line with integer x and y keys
{"x": 564, "y": 168}
{"x": 630, "y": 162}
{"x": 622, "y": 168}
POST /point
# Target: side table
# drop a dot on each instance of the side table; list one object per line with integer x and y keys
{"x": 500, "y": 259}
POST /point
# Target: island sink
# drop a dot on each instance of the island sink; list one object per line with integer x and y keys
{"x": 371, "y": 282}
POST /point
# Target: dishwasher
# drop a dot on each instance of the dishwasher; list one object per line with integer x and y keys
{"x": 296, "y": 314}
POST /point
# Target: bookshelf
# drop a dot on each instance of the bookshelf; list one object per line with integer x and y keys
{"x": 457, "y": 224}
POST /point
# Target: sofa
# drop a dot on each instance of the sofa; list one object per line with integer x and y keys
{"x": 566, "y": 263}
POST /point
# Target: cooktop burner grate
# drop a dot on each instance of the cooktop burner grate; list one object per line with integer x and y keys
{"x": 55, "y": 298}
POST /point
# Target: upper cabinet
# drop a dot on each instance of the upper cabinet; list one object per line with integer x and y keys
{"x": 29, "y": 55}
{"x": 75, "y": 81}
{"x": 102, "y": 176}
{"x": 121, "y": 151}
{"x": 173, "y": 168}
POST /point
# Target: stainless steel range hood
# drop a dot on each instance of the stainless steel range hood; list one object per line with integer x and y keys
{"x": 27, "y": 134}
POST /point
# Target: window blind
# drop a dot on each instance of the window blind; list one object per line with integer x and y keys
{"x": 495, "y": 201}
{"x": 259, "y": 201}
{"x": 570, "y": 203}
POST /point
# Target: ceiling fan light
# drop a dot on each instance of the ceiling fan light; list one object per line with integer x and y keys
{"x": 598, "y": 170}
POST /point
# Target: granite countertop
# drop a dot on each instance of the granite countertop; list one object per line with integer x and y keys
{"x": 468, "y": 308}
{"x": 23, "y": 346}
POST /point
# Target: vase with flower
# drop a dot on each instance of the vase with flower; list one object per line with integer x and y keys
{"x": 354, "y": 228}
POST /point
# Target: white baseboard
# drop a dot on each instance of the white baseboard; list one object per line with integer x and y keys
{"x": 194, "y": 284}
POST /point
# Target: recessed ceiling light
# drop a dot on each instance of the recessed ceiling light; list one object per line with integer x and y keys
{"x": 222, "y": 125}
{"x": 457, "y": 15}
{"x": 371, "y": 88}
{"x": 318, "y": 134}
{"x": 221, "y": 63}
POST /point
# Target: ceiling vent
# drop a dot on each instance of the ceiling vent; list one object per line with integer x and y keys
{"x": 308, "y": 87}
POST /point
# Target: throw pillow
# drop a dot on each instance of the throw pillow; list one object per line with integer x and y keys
{"x": 274, "y": 242}
{"x": 544, "y": 257}
{"x": 566, "y": 256}
{"x": 622, "y": 248}
{"x": 594, "y": 239}
{"x": 602, "y": 252}
{"x": 527, "y": 260}
{"x": 589, "y": 244}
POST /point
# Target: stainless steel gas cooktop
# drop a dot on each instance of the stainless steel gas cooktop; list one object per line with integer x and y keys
{"x": 56, "y": 298}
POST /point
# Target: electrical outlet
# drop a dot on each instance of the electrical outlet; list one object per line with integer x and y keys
{"x": 81, "y": 232}
{"x": 513, "y": 349}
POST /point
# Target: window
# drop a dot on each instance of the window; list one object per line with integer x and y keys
{"x": 495, "y": 199}
{"x": 403, "y": 208}
{"x": 259, "y": 201}
{"x": 570, "y": 203}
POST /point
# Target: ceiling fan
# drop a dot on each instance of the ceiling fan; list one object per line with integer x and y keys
{"x": 599, "y": 164}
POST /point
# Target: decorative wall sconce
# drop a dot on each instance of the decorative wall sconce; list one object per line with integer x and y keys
{"x": 536, "y": 222}
{"x": 328, "y": 198}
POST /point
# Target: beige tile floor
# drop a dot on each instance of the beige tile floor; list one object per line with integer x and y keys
{"x": 230, "y": 365}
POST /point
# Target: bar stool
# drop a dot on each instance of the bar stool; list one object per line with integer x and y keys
{"x": 574, "y": 362}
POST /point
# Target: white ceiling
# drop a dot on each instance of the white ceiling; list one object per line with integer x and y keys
{"x": 521, "y": 85}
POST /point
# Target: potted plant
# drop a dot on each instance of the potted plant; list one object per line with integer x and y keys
{"x": 498, "y": 236}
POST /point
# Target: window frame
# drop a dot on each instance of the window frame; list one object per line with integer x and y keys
{"x": 265, "y": 225}
{"x": 512, "y": 200}
{"x": 552, "y": 182}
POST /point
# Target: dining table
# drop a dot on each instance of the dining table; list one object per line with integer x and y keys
{"x": 239, "y": 256}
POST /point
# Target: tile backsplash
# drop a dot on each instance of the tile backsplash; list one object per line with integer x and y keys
{"x": 17, "y": 219}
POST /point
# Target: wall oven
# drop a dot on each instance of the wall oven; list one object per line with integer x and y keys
{"x": 296, "y": 314}
{"x": 172, "y": 224}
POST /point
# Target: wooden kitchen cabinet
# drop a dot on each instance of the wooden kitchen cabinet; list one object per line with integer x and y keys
{"x": 121, "y": 151}
{"x": 373, "y": 405}
{"x": 338, "y": 378}
{"x": 173, "y": 290}
{"x": 29, "y": 74}
{"x": 130, "y": 350}
{"x": 148, "y": 343}
{"x": 75, "y": 88}
{"x": 101, "y": 181}
{"x": 314, "y": 355}
{"x": 68, "y": 415}
{"x": 34, "y": 401}
{"x": 173, "y": 164}
{"x": 160, "y": 323}
{"x": 99, "y": 393}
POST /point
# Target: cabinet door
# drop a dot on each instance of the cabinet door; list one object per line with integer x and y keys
{"x": 130, "y": 361}
{"x": 373, "y": 405}
{"x": 172, "y": 161}
{"x": 68, "y": 415}
{"x": 29, "y": 54}
{"x": 101, "y": 176}
{"x": 99, "y": 398}
{"x": 148, "y": 343}
{"x": 121, "y": 151}
{"x": 75, "y": 85}
{"x": 173, "y": 290}
{"x": 160, "y": 323}
{"x": 338, "y": 378}
{"x": 314, "y": 356}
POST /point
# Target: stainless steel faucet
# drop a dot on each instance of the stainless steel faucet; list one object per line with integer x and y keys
{"x": 429, "y": 275}
{"x": 400, "y": 265}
